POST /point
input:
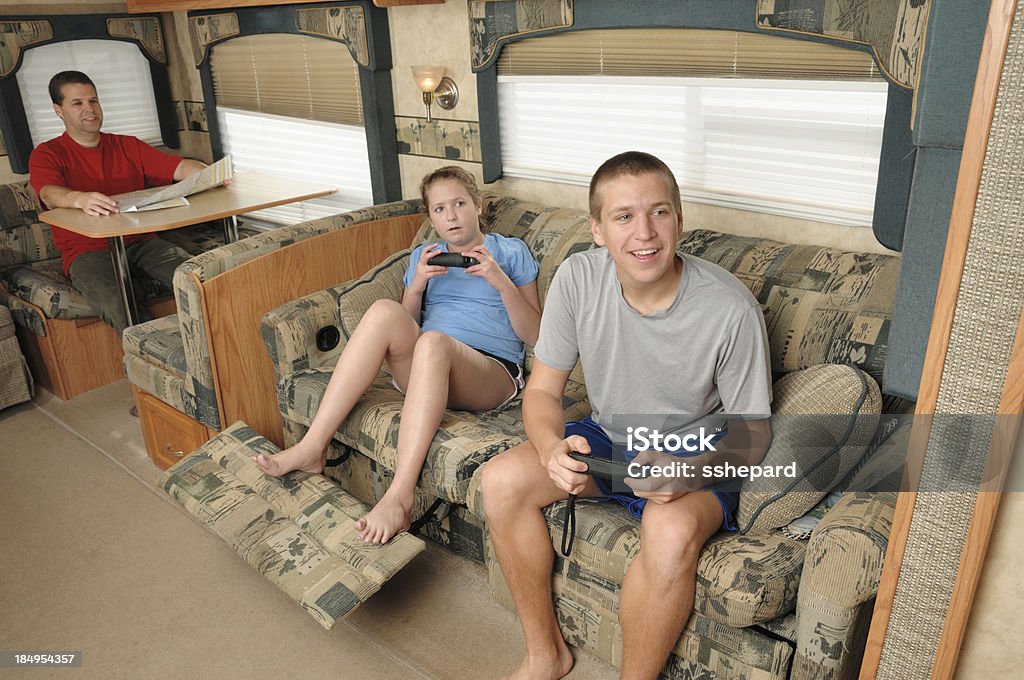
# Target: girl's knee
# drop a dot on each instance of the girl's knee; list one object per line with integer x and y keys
{"x": 433, "y": 346}
{"x": 385, "y": 310}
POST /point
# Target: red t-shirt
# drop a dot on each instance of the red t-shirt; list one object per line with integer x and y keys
{"x": 119, "y": 164}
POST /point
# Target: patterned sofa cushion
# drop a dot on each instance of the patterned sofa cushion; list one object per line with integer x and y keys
{"x": 462, "y": 443}
{"x": 821, "y": 305}
{"x": 154, "y": 361}
{"x": 823, "y": 419}
{"x": 44, "y": 285}
{"x": 741, "y": 580}
{"x": 297, "y": 531}
{"x": 23, "y": 238}
{"x": 158, "y": 342}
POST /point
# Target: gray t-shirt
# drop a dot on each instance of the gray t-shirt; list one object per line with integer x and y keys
{"x": 707, "y": 353}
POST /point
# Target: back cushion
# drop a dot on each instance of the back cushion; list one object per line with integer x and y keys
{"x": 821, "y": 305}
{"x": 551, "y": 233}
{"x": 23, "y": 238}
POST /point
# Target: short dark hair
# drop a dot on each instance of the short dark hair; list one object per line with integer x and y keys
{"x": 65, "y": 78}
{"x": 450, "y": 172}
{"x": 630, "y": 163}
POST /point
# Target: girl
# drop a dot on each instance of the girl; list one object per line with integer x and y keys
{"x": 455, "y": 341}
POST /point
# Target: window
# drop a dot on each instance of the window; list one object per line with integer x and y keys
{"x": 122, "y": 78}
{"x": 300, "y": 149}
{"x": 718, "y": 112}
{"x": 290, "y": 105}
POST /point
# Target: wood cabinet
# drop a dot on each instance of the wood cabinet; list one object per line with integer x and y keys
{"x": 169, "y": 434}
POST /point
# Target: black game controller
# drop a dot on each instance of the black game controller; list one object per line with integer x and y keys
{"x": 452, "y": 260}
{"x": 602, "y": 467}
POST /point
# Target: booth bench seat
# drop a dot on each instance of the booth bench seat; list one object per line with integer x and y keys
{"x": 69, "y": 348}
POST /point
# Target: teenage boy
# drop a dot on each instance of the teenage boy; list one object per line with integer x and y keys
{"x": 659, "y": 333}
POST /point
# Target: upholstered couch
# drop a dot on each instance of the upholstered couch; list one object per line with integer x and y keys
{"x": 204, "y": 367}
{"x": 70, "y": 350}
{"x": 790, "y": 594}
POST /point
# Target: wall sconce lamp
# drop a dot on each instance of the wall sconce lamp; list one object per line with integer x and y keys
{"x": 436, "y": 87}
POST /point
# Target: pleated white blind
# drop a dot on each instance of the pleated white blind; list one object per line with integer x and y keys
{"x": 288, "y": 75}
{"x": 801, "y": 148}
{"x": 300, "y": 149}
{"x": 122, "y": 78}
{"x": 749, "y": 121}
{"x": 683, "y": 52}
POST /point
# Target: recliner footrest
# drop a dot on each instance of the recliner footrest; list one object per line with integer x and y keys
{"x": 297, "y": 531}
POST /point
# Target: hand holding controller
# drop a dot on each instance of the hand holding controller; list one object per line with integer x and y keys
{"x": 452, "y": 260}
{"x": 604, "y": 468}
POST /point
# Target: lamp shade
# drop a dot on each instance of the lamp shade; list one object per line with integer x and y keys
{"x": 428, "y": 77}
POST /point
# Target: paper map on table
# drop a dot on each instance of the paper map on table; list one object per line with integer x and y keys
{"x": 174, "y": 195}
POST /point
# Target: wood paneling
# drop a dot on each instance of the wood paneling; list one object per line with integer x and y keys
{"x": 235, "y": 302}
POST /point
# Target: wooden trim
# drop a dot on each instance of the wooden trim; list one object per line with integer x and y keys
{"x": 235, "y": 302}
{"x": 139, "y": 6}
{"x": 986, "y": 506}
{"x": 983, "y": 104}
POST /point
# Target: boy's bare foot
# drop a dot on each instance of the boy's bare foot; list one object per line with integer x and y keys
{"x": 533, "y": 668}
{"x": 387, "y": 518}
{"x": 298, "y": 457}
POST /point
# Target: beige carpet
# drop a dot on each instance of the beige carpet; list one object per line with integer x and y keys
{"x": 96, "y": 559}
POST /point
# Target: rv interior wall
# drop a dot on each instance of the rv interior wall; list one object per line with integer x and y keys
{"x": 988, "y": 650}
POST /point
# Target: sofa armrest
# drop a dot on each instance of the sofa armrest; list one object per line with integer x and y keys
{"x": 289, "y": 332}
{"x": 842, "y": 569}
{"x": 193, "y": 274}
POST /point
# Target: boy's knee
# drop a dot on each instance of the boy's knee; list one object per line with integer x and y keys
{"x": 672, "y": 541}
{"x": 500, "y": 483}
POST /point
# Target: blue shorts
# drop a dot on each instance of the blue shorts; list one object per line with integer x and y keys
{"x": 601, "y": 447}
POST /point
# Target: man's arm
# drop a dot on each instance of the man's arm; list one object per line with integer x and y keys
{"x": 91, "y": 202}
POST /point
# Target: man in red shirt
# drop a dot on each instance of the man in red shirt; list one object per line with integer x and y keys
{"x": 81, "y": 169}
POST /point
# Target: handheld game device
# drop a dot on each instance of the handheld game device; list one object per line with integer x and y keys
{"x": 453, "y": 260}
{"x": 602, "y": 467}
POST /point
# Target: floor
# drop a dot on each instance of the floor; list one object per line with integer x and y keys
{"x": 96, "y": 559}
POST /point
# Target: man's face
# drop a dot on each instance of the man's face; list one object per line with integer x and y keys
{"x": 80, "y": 109}
{"x": 640, "y": 226}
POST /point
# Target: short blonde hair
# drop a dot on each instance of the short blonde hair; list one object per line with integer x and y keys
{"x": 450, "y": 172}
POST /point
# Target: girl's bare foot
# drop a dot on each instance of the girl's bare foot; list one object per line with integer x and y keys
{"x": 391, "y": 515}
{"x": 299, "y": 457}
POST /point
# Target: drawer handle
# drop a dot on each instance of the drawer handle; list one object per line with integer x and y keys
{"x": 176, "y": 454}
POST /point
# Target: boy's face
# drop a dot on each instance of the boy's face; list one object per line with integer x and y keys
{"x": 80, "y": 110}
{"x": 640, "y": 226}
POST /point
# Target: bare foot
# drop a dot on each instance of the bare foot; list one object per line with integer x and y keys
{"x": 299, "y": 457}
{"x": 386, "y": 519}
{"x": 533, "y": 668}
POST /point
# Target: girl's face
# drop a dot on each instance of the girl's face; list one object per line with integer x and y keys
{"x": 454, "y": 215}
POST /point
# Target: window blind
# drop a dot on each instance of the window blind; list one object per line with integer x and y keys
{"x": 684, "y": 52}
{"x": 300, "y": 149}
{"x": 288, "y": 75}
{"x": 802, "y": 148}
{"x": 122, "y": 78}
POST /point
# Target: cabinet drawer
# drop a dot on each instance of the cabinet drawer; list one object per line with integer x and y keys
{"x": 169, "y": 434}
